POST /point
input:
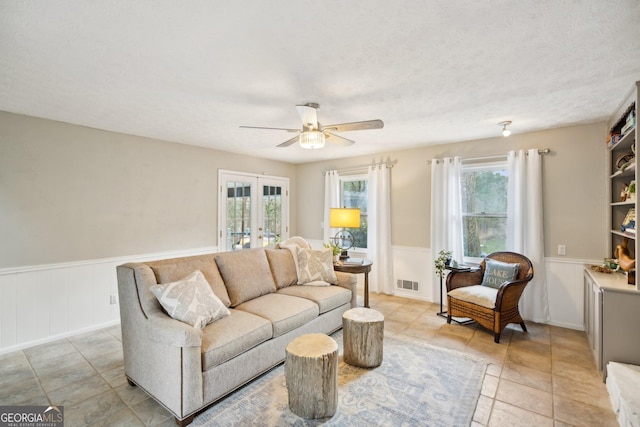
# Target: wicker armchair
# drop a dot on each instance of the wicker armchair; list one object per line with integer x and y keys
{"x": 480, "y": 306}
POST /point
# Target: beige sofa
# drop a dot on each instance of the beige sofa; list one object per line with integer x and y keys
{"x": 185, "y": 368}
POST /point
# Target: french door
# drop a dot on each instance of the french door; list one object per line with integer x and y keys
{"x": 253, "y": 210}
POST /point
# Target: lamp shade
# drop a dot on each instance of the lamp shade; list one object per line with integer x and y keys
{"x": 344, "y": 218}
{"x": 311, "y": 139}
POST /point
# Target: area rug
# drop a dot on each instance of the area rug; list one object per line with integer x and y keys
{"x": 416, "y": 385}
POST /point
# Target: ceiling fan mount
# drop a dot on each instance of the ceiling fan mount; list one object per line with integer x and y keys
{"x": 313, "y": 135}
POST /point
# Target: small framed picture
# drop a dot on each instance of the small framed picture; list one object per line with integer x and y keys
{"x": 629, "y": 222}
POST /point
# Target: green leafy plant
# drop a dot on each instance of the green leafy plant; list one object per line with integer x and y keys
{"x": 334, "y": 247}
{"x": 443, "y": 260}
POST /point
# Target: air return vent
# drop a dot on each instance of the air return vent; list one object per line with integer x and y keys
{"x": 408, "y": 285}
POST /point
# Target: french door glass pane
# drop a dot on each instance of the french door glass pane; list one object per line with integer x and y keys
{"x": 272, "y": 214}
{"x": 238, "y": 215}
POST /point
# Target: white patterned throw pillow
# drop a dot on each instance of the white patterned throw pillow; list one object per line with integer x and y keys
{"x": 191, "y": 300}
{"x": 315, "y": 265}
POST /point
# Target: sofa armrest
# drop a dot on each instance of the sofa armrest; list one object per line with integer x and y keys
{"x": 165, "y": 330}
{"x": 349, "y": 281}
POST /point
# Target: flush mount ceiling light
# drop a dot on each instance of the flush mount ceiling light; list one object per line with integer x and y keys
{"x": 505, "y": 131}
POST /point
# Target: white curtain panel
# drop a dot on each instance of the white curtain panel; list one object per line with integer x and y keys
{"x": 379, "y": 230}
{"x": 331, "y": 200}
{"x": 446, "y": 217}
{"x": 525, "y": 232}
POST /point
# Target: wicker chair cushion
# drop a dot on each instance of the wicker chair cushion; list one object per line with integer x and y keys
{"x": 484, "y": 296}
{"x": 498, "y": 272}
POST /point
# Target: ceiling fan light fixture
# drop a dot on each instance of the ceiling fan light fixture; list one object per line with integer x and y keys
{"x": 505, "y": 132}
{"x": 312, "y": 139}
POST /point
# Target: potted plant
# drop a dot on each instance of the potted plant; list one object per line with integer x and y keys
{"x": 442, "y": 262}
{"x": 335, "y": 249}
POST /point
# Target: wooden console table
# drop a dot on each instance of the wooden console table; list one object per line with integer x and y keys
{"x": 365, "y": 268}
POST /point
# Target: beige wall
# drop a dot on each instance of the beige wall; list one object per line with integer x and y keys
{"x": 70, "y": 193}
{"x": 574, "y": 187}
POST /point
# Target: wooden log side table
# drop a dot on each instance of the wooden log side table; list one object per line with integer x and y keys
{"x": 311, "y": 373}
{"x": 365, "y": 268}
{"x": 363, "y": 334}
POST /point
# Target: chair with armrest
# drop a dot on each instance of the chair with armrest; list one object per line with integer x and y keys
{"x": 492, "y": 307}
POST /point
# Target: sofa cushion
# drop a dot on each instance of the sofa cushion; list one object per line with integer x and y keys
{"x": 315, "y": 265}
{"x": 246, "y": 274}
{"x": 282, "y": 267}
{"x": 498, "y": 272}
{"x": 484, "y": 296}
{"x": 317, "y": 283}
{"x": 170, "y": 270}
{"x": 285, "y": 312}
{"x": 327, "y": 297}
{"x": 225, "y": 339}
{"x": 190, "y": 300}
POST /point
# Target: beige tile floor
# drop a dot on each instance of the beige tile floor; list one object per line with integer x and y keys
{"x": 544, "y": 378}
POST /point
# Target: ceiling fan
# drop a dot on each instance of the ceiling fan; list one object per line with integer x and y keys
{"x": 313, "y": 135}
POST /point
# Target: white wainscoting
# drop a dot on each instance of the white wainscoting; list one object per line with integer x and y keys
{"x": 44, "y": 303}
{"x": 565, "y": 287}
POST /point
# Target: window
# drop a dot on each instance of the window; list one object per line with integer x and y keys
{"x": 353, "y": 193}
{"x": 484, "y": 209}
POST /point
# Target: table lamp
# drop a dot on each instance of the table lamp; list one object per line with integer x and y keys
{"x": 344, "y": 218}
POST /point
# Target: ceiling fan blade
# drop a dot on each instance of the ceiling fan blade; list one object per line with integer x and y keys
{"x": 309, "y": 115}
{"x": 262, "y": 127}
{"x": 343, "y": 127}
{"x": 289, "y": 142}
{"x": 335, "y": 139}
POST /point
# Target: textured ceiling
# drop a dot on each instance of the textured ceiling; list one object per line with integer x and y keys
{"x": 433, "y": 71}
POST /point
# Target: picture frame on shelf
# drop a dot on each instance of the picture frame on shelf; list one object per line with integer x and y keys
{"x": 629, "y": 223}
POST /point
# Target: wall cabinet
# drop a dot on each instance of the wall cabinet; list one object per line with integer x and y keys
{"x": 611, "y": 319}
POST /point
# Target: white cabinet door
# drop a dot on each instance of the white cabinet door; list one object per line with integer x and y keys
{"x": 588, "y": 308}
{"x": 593, "y": 317}
{"x": 596, "y": 323}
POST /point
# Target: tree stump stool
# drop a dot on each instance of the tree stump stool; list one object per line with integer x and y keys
{"x": 363, "y": 333}
{"x": 311, "y": 372}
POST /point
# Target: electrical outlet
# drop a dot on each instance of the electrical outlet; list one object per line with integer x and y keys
{"x": 562, "y": 250}
{"x": 113, "y": 299}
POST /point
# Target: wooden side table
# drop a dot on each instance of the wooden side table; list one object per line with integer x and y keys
{"x": 365, "y": 268}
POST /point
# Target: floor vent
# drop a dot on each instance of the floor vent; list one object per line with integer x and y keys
{"x": 407, "y": 284}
